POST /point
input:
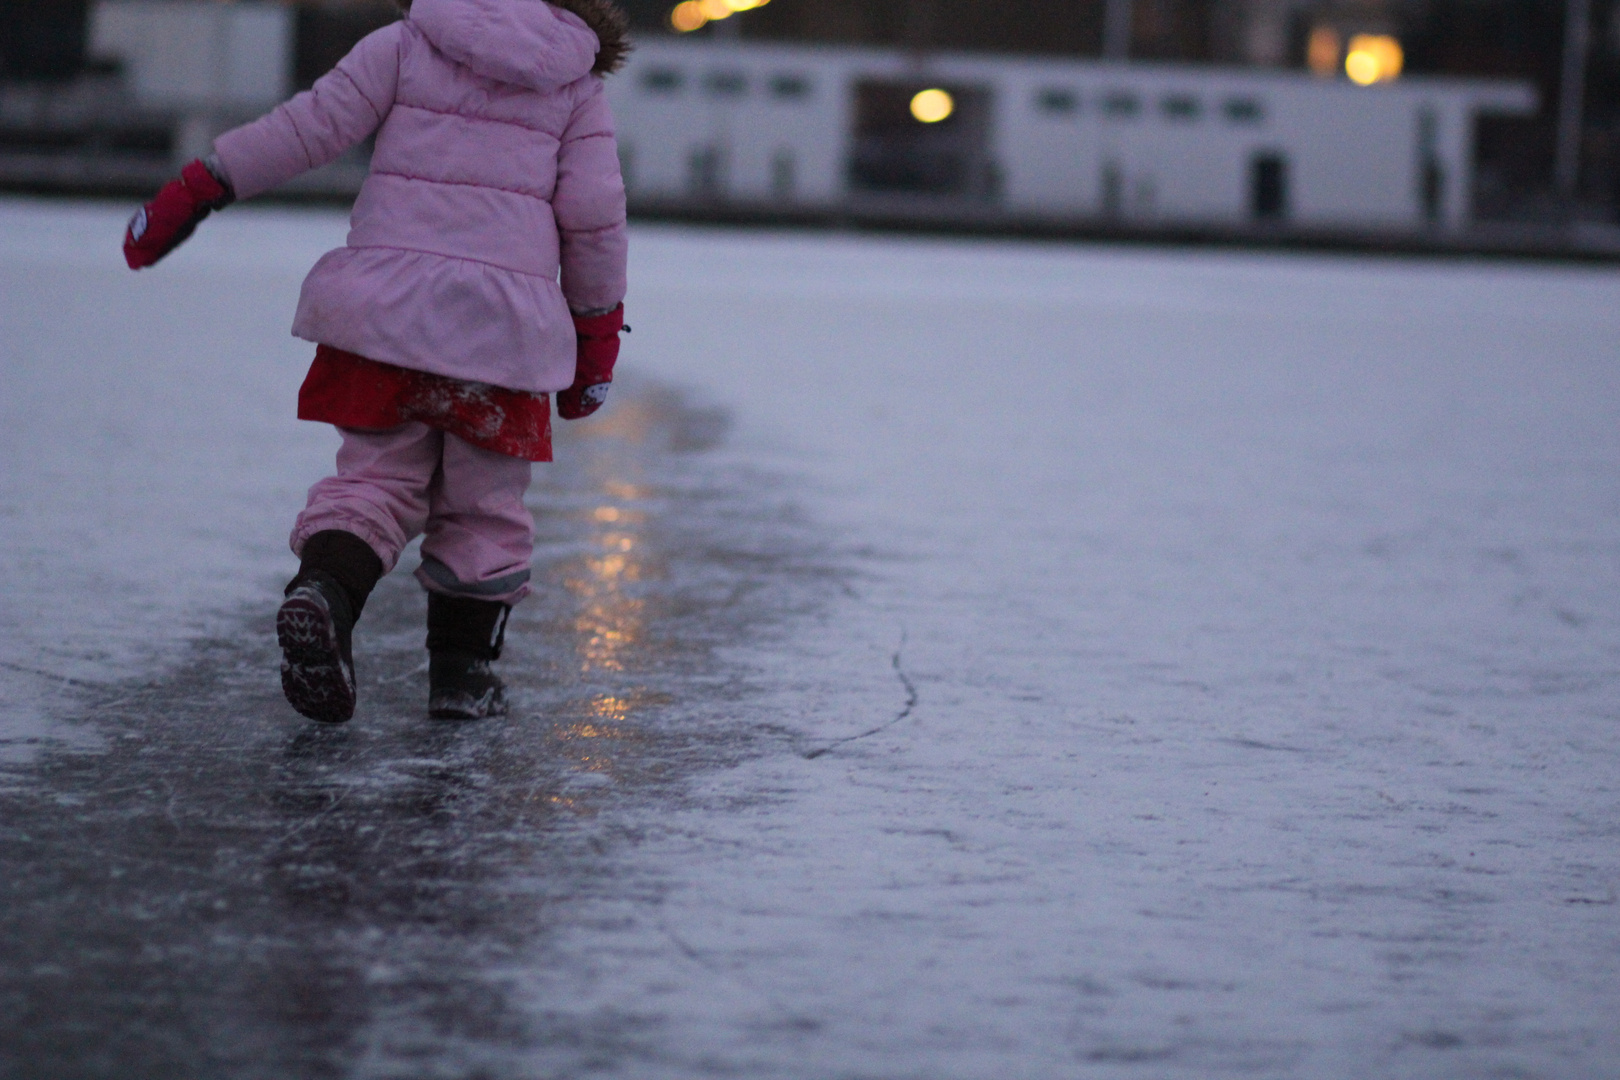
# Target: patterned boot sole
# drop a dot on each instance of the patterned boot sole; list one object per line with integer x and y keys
{"x": 313, "y": 675}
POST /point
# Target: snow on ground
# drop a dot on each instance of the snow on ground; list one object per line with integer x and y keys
{"x": 151, "y": 459}
{"x": 1224, "y": 679}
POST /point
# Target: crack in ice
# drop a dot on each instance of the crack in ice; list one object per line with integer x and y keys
{"x": 905, "y": 711}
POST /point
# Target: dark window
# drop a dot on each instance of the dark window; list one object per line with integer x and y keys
{"x": 1180, "y": 107}
{"x": 43, "y": 41}
{"x": 1268, "y": 186}
{"x": 1121, "y": 105}
{"x": 896, "y": 152}
{"x": 784, "y": 174}
{"x": 726, "y": 83}
{"x": 662, "y": 81}
{"x": 323, "y": 34}
{"x": 1431, "y": 174}
{"x": 1057, "y": 101}
{"x": 1432, "y": 189}
{"x": 1244, "y": 111}
{"x": 706, "y": 172}
{"x": 790, "y": 86}
{"x": 1113, "y": 189}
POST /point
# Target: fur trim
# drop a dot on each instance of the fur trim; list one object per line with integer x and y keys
{"x": 606, "y": 20}
{"x": 611, "y": 27}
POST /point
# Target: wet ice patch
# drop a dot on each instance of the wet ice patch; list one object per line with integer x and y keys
{"x": 1240, "y": 704}
{"x": 401, "y": 878}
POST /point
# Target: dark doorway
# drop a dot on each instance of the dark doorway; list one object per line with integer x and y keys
{"x": 1268, "y": 186}
{"x": 897, "y": 153}
{"x": 1431, "y": 175}
{"x": 324, "y": 34}
{"x": 42, "y": 40}
{"x": 706, "y": 172}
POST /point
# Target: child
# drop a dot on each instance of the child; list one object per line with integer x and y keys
{"x": 441, "y": 326}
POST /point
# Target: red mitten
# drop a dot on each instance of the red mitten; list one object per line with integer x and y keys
{"x": 593, "y": 367}
{"x": 164, "y": 223}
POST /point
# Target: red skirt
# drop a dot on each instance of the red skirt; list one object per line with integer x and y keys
{"x": 352, "y": 391}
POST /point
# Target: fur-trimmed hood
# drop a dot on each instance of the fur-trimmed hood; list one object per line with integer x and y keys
{"x": 523, "y": 41}
{"x": 611, "y": 27}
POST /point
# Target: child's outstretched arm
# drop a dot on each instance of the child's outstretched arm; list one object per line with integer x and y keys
{"x": 590, "y": 210}
{"x": 343, "y": 107}
{"x": 164, "y": 223}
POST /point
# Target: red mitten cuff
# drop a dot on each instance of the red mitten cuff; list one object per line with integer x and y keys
{"x": 164, "y": 223}
{"x": 598, "y": 350}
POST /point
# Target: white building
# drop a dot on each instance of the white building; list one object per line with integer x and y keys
{"x": 211, "y": 65}
{"x": 771, "y": 127}
{"x": 828, "y": 128}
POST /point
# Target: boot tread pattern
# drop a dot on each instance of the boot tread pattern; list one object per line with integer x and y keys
{"x": 317, "y": 680}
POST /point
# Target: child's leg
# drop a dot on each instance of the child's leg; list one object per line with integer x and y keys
{"x": 475, "y": 566}
{"x": 479, "y": 535}
{"x": 380, "y": 492}
{"x": 348, "y": 536}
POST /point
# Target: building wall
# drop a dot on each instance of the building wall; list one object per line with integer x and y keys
{"x": 1149, "y": 143}
{"x": 183, "y": 54}
{"x": 210, "y": 65}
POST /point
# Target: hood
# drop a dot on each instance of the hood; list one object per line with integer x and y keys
{"x": 527, "y": 42}
{"x": 611, "y": 27}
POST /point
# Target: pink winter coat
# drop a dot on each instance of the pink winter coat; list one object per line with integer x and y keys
{"x": 495, "y": 170}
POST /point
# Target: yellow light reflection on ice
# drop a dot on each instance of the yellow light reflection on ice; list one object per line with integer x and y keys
{"x": 611, "y": 708}
{"x": 609, "y": 620}
{"x": 933, "y": 105}
{"x": 715, "y": 10}
{"x": 1373, "y": 58}
{"x": 609, "y": 567}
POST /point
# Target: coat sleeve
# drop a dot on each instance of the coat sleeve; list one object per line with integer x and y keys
{"x": 589, "y": 206}
{"x": 343, "y": 107}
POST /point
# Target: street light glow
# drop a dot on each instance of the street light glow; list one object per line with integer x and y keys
{"x": 1373, "y": 58}
{"x": 690, "y": 15}
{"x": 933, "y": 105}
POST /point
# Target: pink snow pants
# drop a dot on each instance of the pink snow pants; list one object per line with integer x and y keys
{"x": 398, "y": 483}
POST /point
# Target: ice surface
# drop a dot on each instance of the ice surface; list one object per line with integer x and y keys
{"x": 151, "y": 459}
{"x": 1262, "y": 616}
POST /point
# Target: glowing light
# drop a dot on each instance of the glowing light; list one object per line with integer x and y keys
{"x": 688, "y": 16}
{"x": 609, "y": 568}
{"x": 932, "y": 106}
{"x": 1322, "y": 52}
{"x": 1373, "y": 58}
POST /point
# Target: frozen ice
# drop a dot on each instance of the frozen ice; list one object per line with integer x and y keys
{"x": 949, "y": 659}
